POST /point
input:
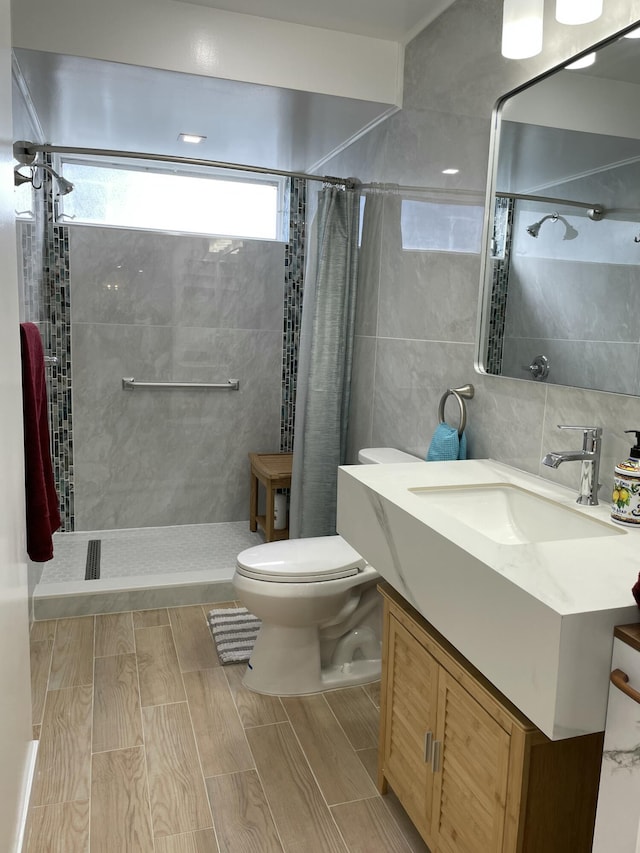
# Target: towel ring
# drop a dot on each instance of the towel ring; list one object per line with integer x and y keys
{"x": 465, "y": 391}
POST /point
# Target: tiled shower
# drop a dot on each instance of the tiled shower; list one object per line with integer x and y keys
{"x": 114, "y": 303}
{"x": 161, "y": 307}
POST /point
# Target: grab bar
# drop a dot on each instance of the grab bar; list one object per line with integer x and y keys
{"x": 129, "y": 384}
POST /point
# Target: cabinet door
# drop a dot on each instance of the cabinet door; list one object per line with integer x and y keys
{"x": 471, "y": 761}
{"x": 410, "y": 718}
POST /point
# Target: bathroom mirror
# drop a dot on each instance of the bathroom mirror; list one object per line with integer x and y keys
{"x": 560, "y": 296}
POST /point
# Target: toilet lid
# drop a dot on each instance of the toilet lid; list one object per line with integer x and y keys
{"x": 301, "y": 560}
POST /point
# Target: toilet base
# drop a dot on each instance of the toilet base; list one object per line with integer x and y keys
{"x": 286, "y": 662}
{"x": 351, "y": 674}
{"x": 347, "y": 675}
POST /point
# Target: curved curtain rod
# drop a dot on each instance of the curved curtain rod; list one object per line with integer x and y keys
{"x": 597, "y": 209}
{"x": 25, "y": 153}
{"x": 452, "y": 195}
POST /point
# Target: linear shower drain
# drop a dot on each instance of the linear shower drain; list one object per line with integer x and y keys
{"x": 92, "y": 569}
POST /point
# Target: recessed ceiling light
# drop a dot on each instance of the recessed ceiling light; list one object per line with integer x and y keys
{"x": 450, "y": 171}
{"x": 584, "y": 62}
{"x": 191, "y": 137}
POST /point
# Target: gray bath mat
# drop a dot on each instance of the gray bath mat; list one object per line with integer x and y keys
{"x": 234, "y": 631}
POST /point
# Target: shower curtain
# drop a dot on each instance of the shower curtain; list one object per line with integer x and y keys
{"x": 324, "y": 369}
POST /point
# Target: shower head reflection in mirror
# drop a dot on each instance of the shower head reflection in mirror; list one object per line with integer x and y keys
{"x": 534, "y": 229}
{"x": 570, "y": 232}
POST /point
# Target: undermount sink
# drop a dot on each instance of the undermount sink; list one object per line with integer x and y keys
{"x": 510, "y": 515}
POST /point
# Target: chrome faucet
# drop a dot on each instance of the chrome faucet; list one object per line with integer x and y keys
{"x": 590, "y": 458}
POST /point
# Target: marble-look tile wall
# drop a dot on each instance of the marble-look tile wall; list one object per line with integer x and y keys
{"x": 165, "y": 307}
{"x": 574, "y": 292}
{"x": 417, "y": 316}
{"x": 590, "y": 334}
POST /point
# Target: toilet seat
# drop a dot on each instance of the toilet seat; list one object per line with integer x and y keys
{"x": 321, "y": 558}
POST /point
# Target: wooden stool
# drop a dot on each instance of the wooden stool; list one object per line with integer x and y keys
{"x": 273, "y": 470}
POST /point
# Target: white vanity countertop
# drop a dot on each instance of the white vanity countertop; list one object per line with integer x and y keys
{"x": 535, "y": 616}
{"x": 570, "y": 576}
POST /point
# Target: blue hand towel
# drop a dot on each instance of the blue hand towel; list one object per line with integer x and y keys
{"x": 446, "y": 445}
{"x": 462, "y": 451}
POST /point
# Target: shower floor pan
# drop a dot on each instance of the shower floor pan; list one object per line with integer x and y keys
{"x": 140, "y": 568}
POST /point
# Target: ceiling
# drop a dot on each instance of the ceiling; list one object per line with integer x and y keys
{"x": 96, "y": 104}
{"x": 396, "y": 20}
{"x": 92, "y": 103}
{"x": 617, "y": 60}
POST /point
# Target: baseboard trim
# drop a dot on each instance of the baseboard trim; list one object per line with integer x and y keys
{"x": 27, "y": 784}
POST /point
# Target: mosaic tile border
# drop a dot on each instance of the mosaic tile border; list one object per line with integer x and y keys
{"x": 294, "y": 260}
{"x": 499, "y": 291}
{"x": 56, "y": 259}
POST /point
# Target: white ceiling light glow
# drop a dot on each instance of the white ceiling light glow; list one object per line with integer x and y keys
{"x": 578, "y": 11}
{"x": 522, "y": 28}
{"x": 634, "y": 34}
{"x": 194, "y": 138}
{"x": 450, "y": 171}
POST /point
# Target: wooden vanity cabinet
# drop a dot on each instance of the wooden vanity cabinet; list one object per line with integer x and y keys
{"x": 473, "y": 774}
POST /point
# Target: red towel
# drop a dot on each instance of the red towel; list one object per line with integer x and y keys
{"x": 43, "y": 514}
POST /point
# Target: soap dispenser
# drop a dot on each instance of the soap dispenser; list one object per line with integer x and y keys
{"x": 625, "y": 502}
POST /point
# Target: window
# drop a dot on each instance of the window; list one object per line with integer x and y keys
{"x": 185, "y": 201}
{"x": 441, "y": 227}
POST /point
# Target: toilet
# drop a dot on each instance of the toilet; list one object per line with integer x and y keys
{"x": 319, "y": 606}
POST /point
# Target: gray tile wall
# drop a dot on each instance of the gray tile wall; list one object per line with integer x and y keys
{"x": 418, "y": 338}
{"x": 165, "y": 307}
{"x": 557, "y": 304}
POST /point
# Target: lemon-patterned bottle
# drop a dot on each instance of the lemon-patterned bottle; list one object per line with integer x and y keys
{"x": 625, "y": 501}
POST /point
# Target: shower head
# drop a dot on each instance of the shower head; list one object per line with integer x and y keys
{"x": 64, "y": 186}
{"x": 534, "y": 229}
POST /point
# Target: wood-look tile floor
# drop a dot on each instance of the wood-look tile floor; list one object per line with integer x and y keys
{"x": 149, "y": 745}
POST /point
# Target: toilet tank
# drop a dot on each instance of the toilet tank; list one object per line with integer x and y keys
{"x": 384, "y": 455}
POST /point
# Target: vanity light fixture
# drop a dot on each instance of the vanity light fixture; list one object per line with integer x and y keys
{"x": 191, "y": 137}
{"x": 522, "y": 28}
{"x": 583, "y": 62}
{"x": 578, "y": 11}
{"x": 522, "y": 23}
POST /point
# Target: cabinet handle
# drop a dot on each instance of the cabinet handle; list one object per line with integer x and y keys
{"x": 435, "y": 758}
{"x": 428, "y": 746}
{"x": 621, "y": 680}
